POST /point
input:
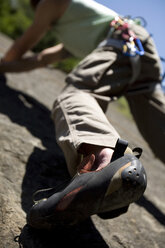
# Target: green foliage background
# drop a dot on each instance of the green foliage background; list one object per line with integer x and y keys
{"x": 16, "y": 16}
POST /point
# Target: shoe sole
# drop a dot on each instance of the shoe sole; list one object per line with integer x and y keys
{"x": 115, "y": 186}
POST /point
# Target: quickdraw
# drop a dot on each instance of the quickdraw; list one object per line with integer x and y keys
{"x": 132, "y": 46}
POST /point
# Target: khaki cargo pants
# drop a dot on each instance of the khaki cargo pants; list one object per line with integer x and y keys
{"x": 79, "y": 111}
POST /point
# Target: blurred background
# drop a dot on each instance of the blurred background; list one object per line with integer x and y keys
{"x": 17, "y": 15}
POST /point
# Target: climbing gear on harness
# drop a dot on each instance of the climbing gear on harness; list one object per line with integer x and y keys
{"x": 127, "y": 43}
{"x": 120, "y": 183}
{"x": 132, "y": 46}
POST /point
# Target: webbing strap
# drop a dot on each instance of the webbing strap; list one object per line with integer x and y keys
{"x": 136, "y": 67}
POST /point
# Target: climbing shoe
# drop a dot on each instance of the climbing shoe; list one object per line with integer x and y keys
{"x": 107, "y": 192}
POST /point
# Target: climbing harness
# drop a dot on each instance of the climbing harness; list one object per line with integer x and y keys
{"x": 130, "y": 45}
{"x": 127, "y": 43}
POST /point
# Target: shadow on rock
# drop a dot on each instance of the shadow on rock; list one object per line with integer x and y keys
{"x": 45, "y": 168}
{"x": 152, "y": 209}
{"x": 27, "y": 112}
{"x": 82, "y": 235}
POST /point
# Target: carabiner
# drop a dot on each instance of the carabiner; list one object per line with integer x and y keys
{"x": 133, "y": 48}
{"x": 140, "y": 50}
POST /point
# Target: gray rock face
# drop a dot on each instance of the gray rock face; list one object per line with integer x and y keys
{"x": 30, "y": 160}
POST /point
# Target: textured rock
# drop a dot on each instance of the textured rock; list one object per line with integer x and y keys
{"x": 30, "y": 160}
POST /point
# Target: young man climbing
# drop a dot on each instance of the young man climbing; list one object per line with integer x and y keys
{"x": 118, "y": 58}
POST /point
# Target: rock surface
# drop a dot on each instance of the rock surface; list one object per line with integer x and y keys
{"x": 30, "y": 160}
